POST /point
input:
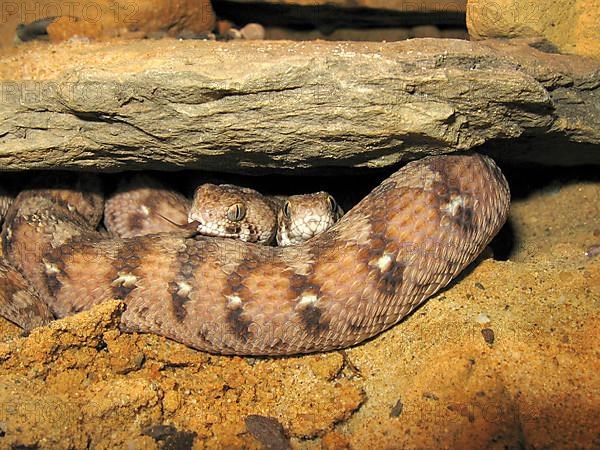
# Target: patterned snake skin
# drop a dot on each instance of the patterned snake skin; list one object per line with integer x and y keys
{"x": 5, "y": 202}
{"x": 402, "y": 243}
{"x": 142, "y": 205}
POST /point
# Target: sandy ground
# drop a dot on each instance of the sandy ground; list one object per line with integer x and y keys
{"x": 506, "y": 357}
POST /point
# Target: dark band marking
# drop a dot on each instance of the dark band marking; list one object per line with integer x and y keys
{"x": 240, "y": 326}
{"x": 150, "y": 201}
{"x": 50, "y": 276}
{"x": 235, "y": 283}
{"x": 448, "y": 190}
{"x": 135, "y": 221}
{"x": 235, "y": 280}
{"x": 178, "y": 301}
{"x": 464, "y": 218}
{"x": 313, "y": 321}
{"x": 188, "y": 259}
{"x": 311, "y": 316}
{"x": 391, "y": 279}
{"x": 128, "y": 260}
{"x": 301, "y": 285}
{"x": 236, "y": 295}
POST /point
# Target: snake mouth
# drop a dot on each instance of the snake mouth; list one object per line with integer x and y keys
{"x": 205, "y": 230}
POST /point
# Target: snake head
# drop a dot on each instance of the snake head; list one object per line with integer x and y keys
{"x": 304, "y": 216}
{"x": 233, "y": 212}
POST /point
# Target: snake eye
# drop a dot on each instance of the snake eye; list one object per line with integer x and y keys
{"x": 236, "y": 212}
{"x": 287, "y": 210}
{"x": 332, "y": 203}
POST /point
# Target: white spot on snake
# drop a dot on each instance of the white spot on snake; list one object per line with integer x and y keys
{"x": 184, "y": 289}
{"x": 51, "y": 268}
{"x": 384, "y": 263}
{"x": 70, "y": 207}
{"x": 145, "y": 210}
{"x": 454, "y": 206}
{"x": 234, "y": 301}
{"x": 307, "y": 300}
{"x": 429, "y": 178}
{"x": 126, "y": 280}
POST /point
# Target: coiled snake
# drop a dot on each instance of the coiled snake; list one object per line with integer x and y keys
{"x": 398, "y": 246}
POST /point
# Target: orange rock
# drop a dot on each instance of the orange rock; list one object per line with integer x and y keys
{"x": 572, "y": 27}
{"x": 108, "y": 18}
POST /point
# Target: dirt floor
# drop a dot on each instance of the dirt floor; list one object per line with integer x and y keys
{"x": 506, "y": 357}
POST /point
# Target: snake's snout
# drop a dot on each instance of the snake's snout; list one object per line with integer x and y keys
{"x": 195, "y": 218}
{"x": 313, "y": 225}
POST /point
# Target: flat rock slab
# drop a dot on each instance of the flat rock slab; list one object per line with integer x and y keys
{"x": 242, "y": 106}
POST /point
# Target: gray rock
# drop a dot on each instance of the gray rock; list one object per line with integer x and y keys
{"x": 239, "y": 106}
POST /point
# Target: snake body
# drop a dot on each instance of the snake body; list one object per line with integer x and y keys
{"x": 402, "y": 243}
{"x": 142, "y": 205}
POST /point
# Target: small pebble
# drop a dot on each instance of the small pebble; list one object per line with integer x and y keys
{"x": 37, "y": 29}
{"x": 483, "y": 319}
{"x": 478, "y": 285}
{"x": 488, "y": 335}
{"x": 592, "y": 251}
{"x": 397, "y": 409}
{"x": 170, "y": 437}
{"x": 430, "y": 396}
{"x": 233, "y": 33}
{"x": 268, "y": 431}
{"x": 253, "y": 32}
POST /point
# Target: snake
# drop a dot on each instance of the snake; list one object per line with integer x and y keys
{"x": 143, "y": 205}
{"x": 402, "y": 243}
{"x": 300, "y": 217}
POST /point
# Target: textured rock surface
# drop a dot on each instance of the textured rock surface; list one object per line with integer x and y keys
{"x": 107, "y": 18}
{"x": 244, "y": 105}
{"x": 572, "y": 26}
{"x": 504, "y": 358}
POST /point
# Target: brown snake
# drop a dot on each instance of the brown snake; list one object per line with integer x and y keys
{"x": 142, "y": 205}
{"x": 402, "y": 243}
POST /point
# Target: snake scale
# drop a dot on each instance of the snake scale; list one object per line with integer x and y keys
{"x": 398, "y": 246}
